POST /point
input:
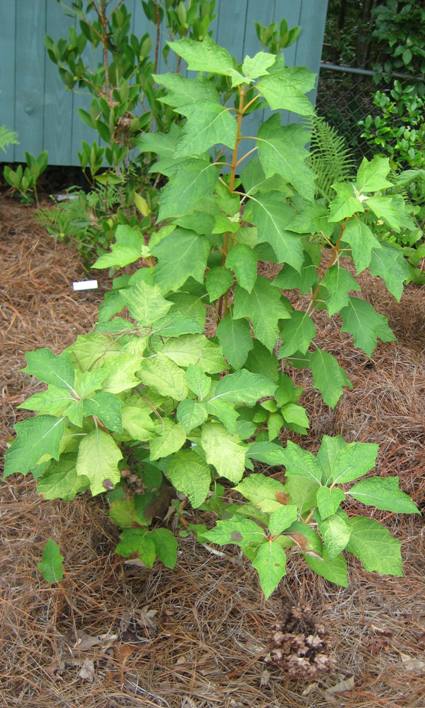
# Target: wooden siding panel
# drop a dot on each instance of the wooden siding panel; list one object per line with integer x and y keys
{"x": 7, "y": 71}
{"x": 58, "y": 103}
{"x": 34, "y": 102}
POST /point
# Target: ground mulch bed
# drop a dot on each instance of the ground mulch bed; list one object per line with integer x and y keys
{"x": 117, "y": 635}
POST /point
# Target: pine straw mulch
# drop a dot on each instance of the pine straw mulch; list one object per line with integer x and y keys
{"x": 116, "y": 635}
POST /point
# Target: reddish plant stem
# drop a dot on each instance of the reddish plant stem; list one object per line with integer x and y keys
{"x": 336, "y": 251}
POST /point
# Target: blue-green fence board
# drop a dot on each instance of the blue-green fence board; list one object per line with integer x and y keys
{"x": 34, "y": 102}
{"x": 7, "y": 69}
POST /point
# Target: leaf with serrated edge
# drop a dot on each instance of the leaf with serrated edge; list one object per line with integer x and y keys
{"x": 60, "y": 481}
{"x": 164, "y": 376}
{"x": 98, "y": 457}
{"x": 198, "y": 382}
{"x": 374, "y": 546}
{"x": 235, "y": 340}
{"x": 365, "y": 325}
{"x": 190, "y": 475}
{"x": 166, "y": 546}
{"x": 204, "y": 56}
{"x": 223, "y": 451}
{"x": 243, "y": 387}
{"x": 338, "y": 283}
{"x": 335, "y": 532}
{"x": 285, "y": 90}
{"x": 282, "y": 518}
{"x": 383, "y": 493}
{"x": 345, "y": 203}
{"x": 145, "y": 303}
{"x": 371, "y": 175}
{"x": 217, "y": 282}
{"x": 334, "y": 570}
{"x": 390, "y": 265}
{"x": 52, "y": 369}
{"x": 301, "y": 463}
{"x": 243, "y": 261}
{"x": 352, "y": 461}
{"x": 236, "y": 530}
{"x": 171, "y": 437}
{"x": 35, "y": 437}
{"x": 51, "y": 564}
{"x": 361, "y": 241}
{"x": 270, "y": 564}
{"x": 264, "y": 307}
{"x": 297, "y": 334}
{"x": 328, "y": 377}
{"x": 180, "y": 256}
{"x": 273, "y": 217}
{"x": 191, "y": 414}
{"x": 266, "y": 493}
{"x": 328, "y": 501}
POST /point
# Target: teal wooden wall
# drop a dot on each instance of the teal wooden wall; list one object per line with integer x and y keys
{"x": 34, "y": 102}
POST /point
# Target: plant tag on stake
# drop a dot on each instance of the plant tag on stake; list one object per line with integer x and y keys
{"x": 85, "y": 285}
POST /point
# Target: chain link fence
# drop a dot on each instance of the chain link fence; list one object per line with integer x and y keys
{"x": 344, "y": 97}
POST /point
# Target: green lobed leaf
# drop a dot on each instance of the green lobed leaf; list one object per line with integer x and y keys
{"x": 365, "y": 325}
{"x": 191, "y": 414}
{"x": 285, "y": 90}
{"x": 198, "y": 382}
{"x": 282, "y": 518}
{"x": 334, "y": 570}
{"x": 266, "y": 493}
{"x": 295, "y": 415}
{"x": 374, "y": 546}
{"x": 242, "y": 260}
{"x": 390, "y": 265}
{"x": 350, "y": 461}
{"x": 235, "y": 340}
{"x": 262, "y": 361}
{"x": 60, "y": 481}
{"x": 328, "y": 377}
{"x": 264, "y": 307}
{"x": 273, "y": 216}
{"x": 217, "y": 282}
{"x": 345, "y": 203}
{"x": 281, "y": 150}
{"x": 335, "y": 532}
{"x": 328, "y": 501}
{"x": 51, "y": 564}
{"x": 190, "y": 475}
{"x": 204, "y": 56}
{"x": 180, "y": 256}
{"x": 243, "y": 387}
{"x": 372, "y": 175}
{"x": 166, "y": 546}
{"x": 393, "y": 211}
{"x": 52, "y": 369}
{"x": 270, "y": 564}
{"x": 256, "y": 66}
{"x": 171, "y": 437}
{"x": 297, "y": 333}
{"x": 98, "y": 457}
{"x": 164, "y": 376}
{"x": 192, "y": 179}
{"x": 129, "y": 247}
{"x": 137, "y": 422}
{"x": 338, "y": 283}
{"x": 137, "y": 542}
{"x": 301, "y": 463}
{"x": 208, "y": 123}
{"x": 291, "y": 279}
{"x": 361, "y": 241}
{"x": 35, "y": 437}
{"x": 194, "y": 349}
{"x": 145, "y": 303}
{"x": 107, "y": 408}
{"x": 237, "y": 531}
{"x": 383, "y": 493}
{"x": 223, "y": 451}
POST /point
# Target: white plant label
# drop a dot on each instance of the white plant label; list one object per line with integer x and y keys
{"x": 85, "y": 285}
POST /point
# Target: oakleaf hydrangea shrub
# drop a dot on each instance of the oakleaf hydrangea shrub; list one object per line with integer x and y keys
{"x": 156, "y": 415}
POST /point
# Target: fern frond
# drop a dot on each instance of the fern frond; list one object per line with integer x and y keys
{"x": 7, "y": 137}
{"x": 330, "y": 158}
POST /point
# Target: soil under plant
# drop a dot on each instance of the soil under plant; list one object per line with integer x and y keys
{"x": 118, "y": 635}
